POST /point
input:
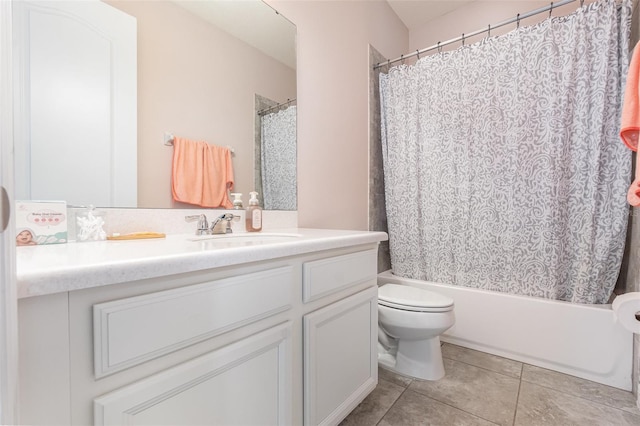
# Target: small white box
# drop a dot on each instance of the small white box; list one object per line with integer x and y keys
{"x": 41, "y": 222}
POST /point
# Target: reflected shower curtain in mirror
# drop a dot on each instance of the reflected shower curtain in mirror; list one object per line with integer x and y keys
{"x": 278, "y": 153}
{"x": 502, "y": 163}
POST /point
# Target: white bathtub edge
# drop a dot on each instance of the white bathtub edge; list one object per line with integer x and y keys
{"x": 580, "y": 340}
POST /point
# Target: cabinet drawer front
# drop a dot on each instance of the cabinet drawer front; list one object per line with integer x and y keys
{"x": 246, "y": 383}
{"x": 134, "y": 330}
{"x": 325, "y": 276}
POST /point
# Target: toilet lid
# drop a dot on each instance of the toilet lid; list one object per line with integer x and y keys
{"x": 413, "y": 298}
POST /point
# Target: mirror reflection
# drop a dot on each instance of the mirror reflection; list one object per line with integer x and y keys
{"x": 216, "y": 71}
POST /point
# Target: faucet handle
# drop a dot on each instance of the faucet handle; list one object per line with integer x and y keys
{"x": 222, "y": 221}
{"x": 203, "y": 224}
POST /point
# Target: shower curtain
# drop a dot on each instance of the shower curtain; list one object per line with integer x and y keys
{"x": 502, "y": 163}
{"x": 278, "y": 152}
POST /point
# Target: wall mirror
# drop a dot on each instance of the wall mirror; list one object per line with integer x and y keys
{"x": 202, "y": 70}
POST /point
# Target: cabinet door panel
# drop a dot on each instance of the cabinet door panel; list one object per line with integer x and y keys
{"x": 248, "y": 382}
{"x": 340, "y": 342}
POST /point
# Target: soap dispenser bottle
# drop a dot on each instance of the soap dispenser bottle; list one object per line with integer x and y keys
{"x": 254, "y": 214}
{"x": 237, "y": 201}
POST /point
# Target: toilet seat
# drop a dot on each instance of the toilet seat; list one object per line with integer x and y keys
{"x": 413, "y": 299}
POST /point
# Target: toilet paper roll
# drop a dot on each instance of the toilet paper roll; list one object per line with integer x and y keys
{"x": 625, "y": 307}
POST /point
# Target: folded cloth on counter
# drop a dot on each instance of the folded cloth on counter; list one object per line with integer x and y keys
{"x": 630, "y": 121}
{"x": 202, "y": 174}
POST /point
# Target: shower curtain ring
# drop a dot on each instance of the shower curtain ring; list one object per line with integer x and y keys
{"x": 418, "y": 53}
{"x": 489, "y": 32}
{"x": 388, "y": 64}
{"x": 518, "y": 21}
{"x": 439, "y": 48}
{"x": 463, "y": 39}
{"x": 402, "y": 59}
{"x": 550, "y": 9}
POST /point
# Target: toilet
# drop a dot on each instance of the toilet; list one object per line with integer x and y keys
{"x": 410, "y": 322}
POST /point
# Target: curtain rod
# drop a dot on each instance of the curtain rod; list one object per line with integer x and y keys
{"x": 266, "y": 110}
{"x": 517, "y": 19}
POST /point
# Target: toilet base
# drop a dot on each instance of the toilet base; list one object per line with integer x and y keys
{"x": 421, "y": 359}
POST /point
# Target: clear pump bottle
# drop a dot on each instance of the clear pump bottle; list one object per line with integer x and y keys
{"x": 254, "y": 214}
{"x": 237, "y": 200}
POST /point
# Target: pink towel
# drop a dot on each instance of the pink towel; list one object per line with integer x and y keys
{"x": 202, "y": 174}
{"x": 218, "y": 177}
{"x": 633, "y": 195}
{"x": 630, "y": 121}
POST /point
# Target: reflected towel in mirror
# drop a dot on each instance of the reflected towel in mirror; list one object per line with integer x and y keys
{"x": 202, "y": 173}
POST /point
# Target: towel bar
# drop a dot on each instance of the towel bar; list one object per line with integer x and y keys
{"x": 168, "y": 141}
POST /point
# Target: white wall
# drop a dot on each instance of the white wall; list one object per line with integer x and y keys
{"x": 333, "y": 118}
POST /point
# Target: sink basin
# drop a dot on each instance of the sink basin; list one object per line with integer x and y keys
{"x": 248, "y": 238}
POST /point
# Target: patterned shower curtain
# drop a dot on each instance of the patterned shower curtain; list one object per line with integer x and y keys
{"x": 278, "y": 153}
{"x": 502, "y": 163}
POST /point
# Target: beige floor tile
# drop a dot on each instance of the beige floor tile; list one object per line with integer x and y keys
{"x": 414, "y": 409}
{"x": 582, "y": 388}
{"x": 392, "y": 377}
{"x": 374, "y": 406}
{"x": 483, "y": 393}
{"x": 482, "y": 359}
{"x": 541, "y": 406}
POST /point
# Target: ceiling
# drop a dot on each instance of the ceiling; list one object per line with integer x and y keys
{"x": 415, "y": 13}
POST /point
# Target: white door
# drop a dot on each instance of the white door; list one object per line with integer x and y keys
{"x": 8, "y": 301}
{"x": 75, "y": 94}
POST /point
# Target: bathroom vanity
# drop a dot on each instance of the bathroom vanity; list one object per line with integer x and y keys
{"x": 265, "y": 329}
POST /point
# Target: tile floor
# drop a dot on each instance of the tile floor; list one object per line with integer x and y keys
{"x": 483, "y": 389}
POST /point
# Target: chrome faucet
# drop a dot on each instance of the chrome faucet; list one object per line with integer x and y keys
{"x": 203, "y": 224}
{"x": 225, "y": 224}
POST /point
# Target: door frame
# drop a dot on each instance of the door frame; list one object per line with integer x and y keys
{"x": 8, "y": 290}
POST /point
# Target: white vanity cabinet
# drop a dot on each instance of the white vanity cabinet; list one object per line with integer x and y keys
{"x": 286, "y": 341}
{"x": 340, "y": 339}
{"x": 246, "y": 383}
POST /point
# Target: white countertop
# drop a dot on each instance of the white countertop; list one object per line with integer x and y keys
{"x": 48, "y": 269}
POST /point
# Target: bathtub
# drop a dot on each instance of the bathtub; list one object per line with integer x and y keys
{"x": 580, "y": 340}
